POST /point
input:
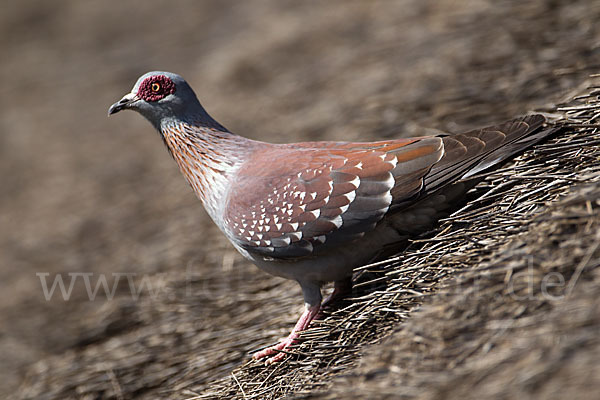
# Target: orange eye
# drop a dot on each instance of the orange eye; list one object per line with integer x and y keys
{"x": 155, "y": 87}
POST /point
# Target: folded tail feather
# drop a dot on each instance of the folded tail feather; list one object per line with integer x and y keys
{"x": 465, "y": 157}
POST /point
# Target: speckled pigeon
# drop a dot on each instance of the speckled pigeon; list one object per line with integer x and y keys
{"x": 313, "y": 211}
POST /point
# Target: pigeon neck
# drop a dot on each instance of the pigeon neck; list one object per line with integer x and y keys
{"x": 208, "y": 155}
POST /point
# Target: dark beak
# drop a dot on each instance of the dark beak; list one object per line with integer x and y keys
{"x": 122, "y": 104}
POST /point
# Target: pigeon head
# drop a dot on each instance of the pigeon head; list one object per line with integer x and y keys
{"x": 162, "y": 98}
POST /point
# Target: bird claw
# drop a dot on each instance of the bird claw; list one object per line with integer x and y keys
{"x": 278, "y": 350}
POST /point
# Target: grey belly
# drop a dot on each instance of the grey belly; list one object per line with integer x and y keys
{"x": 333, "y": 263}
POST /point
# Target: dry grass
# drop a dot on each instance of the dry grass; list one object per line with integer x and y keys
{"x": 81, "y": 193}
{"x": 464, "y": 312}
{"x": 510, "y": 286}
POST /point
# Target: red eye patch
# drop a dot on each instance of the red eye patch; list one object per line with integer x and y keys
{"x": 156, "y": 87}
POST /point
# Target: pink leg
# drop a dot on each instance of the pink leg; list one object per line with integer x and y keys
{"x": 305, "y": 319}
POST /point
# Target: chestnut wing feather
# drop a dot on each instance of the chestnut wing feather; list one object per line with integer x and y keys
{"x": 301, "y": 197}
{"x": 289, "y": 200}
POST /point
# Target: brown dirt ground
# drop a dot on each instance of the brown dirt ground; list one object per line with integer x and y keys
{"x": 83, "y": 193}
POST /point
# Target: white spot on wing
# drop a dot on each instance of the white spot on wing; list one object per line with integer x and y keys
{"x": 337, "y": 221}
{"x": 390, "y": 182}
{"x": 350, "y": 196}
{"x": 283, "y": 241}
{"x": 320, "y": 239}
{"x": 295, "y": 236}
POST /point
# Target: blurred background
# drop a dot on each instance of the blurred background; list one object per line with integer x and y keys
{"x": 84, "y": 193}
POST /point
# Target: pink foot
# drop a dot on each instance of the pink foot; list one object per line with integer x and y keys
{"x": 280, "y": 349}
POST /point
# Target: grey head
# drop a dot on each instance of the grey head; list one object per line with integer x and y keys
{"x": 164, "y": 98}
